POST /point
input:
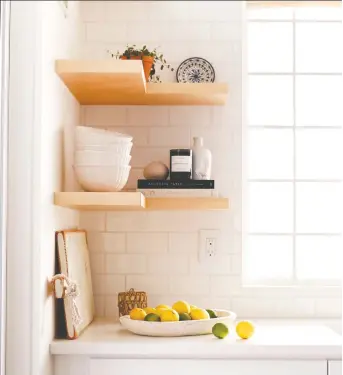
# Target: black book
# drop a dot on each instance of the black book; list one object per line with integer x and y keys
{"x": 175, "y": 184}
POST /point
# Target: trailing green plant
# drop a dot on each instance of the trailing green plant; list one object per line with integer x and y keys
{"x": 159, "y": 60}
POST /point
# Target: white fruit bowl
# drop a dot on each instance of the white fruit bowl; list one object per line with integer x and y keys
{"x": 100, "y": 178}
{"x": 89, "y": 135}
{"x": 183, "y": 328}
{"x": 87, "y": 157}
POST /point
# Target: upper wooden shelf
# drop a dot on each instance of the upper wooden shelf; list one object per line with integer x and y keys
{"x": 121, "y": 82}
{"x": 135, "y": 201}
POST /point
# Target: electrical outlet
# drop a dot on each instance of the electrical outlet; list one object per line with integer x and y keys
{"x": 209, "y": 244}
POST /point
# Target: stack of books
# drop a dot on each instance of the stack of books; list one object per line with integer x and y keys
{"x": 175, "y": 188}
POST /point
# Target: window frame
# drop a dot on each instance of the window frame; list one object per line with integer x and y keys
{"x": 294, "y": 281}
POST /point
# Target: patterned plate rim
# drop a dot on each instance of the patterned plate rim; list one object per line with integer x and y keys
{"x": 195, "y": 57}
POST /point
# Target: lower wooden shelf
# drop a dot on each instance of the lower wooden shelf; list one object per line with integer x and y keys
{"x": 135, "y": 201}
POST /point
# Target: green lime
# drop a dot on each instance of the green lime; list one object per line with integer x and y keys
{"x": 152, "y": 318}
{"x": 212, "y": 314}
{"x": 220, "y": 330}
{"x": 185, "y": 316}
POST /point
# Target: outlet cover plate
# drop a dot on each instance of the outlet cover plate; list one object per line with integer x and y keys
{"x": 204, "y": 236}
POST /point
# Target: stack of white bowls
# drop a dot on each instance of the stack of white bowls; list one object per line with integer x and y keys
{"x": 102, "y": 158}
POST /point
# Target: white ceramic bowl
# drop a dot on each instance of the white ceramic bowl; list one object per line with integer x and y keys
{"x": 183, "y": 328}
{"x": 115, "y": 148}
{"x": 88, "y": 135}
{"x": 87, "y": 157}
{"x": 99, "y": 178}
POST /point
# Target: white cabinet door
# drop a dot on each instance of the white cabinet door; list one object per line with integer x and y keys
{"x": 205, "y": 367}
{"x": 335, "y": 368}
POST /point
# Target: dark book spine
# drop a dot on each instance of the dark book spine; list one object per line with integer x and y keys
{"x": 169, "y": 184}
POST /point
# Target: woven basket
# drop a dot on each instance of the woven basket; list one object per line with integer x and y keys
{"x": 131, "y": 299}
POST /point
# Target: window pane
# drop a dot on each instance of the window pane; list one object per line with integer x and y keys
{"x": 268, "y": 257}
{"x": 319, "y": 153}
{"x": 270, "y": 207}
{"x": 270, "y": 100}
{"x": 273, "y": 13}
{"x": 319, "y": 101}
{"x": 319, "y": 257}
{"x": 270, "y": 47}
{"x": 270, "y": 153}
{"x": 319, "y": 47}
{"x": 318, "y": 207}
{"x": 319, "y": 13}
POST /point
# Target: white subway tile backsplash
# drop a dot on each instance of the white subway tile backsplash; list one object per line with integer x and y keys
{"x": 111, "y": 307}
{"x": 225, "y": 31}
{"x": 168, "y": 264}
{"x": 99, "y": 302}
{"x": 114, "y": 284}
{"x": 186, "y": 31}
{"x": 236, "y": 264}
{"x": 147, "y": 116}
{"x": 106, "y": 32}
{"x": 114, "y": 242}
{"x": 92, "y": 11}
{"x": 142, "y": 156}
{"x": 149, "y": 284}
{"x": 192, "y": 285}
{"x": 168, "y": 11}
{"x": 187, "y": 116}
{"x": 224, "y": 285}
{"x": 170, "y": 137}
{"x": 217, "y": 266}
{"x": 135, "y": 174}
{"x": 97, "y": 262}
{"x": 183, "y": 243}
{"x": 104, "y": 116}
{"x": 138, "y": 32}
{"x": 125, "y": 264}
{"x": 118, "y": 11}
{"x": 99, "y": 284}
{"x": 147, "y": 243}
{"x": 126, "y": 221}
{"x": 92, "y": 221}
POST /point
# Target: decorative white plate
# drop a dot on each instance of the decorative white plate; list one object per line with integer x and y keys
{"x": 183, "y": 328}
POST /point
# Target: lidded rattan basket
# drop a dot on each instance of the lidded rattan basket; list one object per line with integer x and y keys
{"x": 131, "y": 299}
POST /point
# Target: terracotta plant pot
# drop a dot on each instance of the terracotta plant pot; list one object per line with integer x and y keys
{"x": 147, "y": 61}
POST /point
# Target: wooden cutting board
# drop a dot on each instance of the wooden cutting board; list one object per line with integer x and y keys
{"x": 73, "y": 260}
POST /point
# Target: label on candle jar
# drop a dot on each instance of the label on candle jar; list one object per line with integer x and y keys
{"x": 181, "y": 163}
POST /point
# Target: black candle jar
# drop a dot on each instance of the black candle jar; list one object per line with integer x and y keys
{"x": 181, "y": 164}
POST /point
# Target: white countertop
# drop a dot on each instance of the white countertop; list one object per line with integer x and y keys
{"x": 272, "y": 340}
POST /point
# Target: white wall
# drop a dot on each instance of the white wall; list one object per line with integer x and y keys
{"x": 157, "y": 251}
{"x": 59, "y": 114}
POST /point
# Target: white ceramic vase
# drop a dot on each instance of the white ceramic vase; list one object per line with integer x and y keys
{"x": 202, "y": 160}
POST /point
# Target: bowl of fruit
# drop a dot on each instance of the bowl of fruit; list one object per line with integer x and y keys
{"x": 180, "y": 319}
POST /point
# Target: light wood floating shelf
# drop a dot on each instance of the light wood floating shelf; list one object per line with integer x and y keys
{"x": 134, "y": 201}
{"x": 121, "y": 82}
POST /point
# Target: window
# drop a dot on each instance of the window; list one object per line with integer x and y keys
{"x": 294, "y": 149}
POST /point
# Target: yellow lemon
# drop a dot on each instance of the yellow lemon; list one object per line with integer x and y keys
{"x": 199, "y": 314}
{"x": 245, "y": 329}
{"x": 169, "y": 316}
{"x": 160, "y": 310}
{"x": 137, "y": 314}
{"x": 192, "y": 307}
{"x": 182, "y": 307}
{"x": 163, "y": 307}
{"x": 150, "y": 310}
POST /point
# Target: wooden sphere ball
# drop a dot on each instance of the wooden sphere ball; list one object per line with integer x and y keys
{"x": 156, "y": 170}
